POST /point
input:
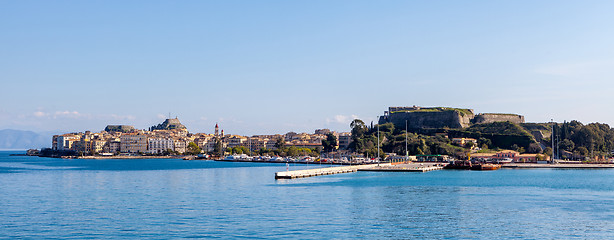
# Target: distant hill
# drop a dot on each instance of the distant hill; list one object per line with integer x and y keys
{"x": 17, "y": 139}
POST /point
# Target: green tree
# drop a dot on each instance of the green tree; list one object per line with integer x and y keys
{"x": 330, "y": 143}
{"x": 515, "y": 147}
{"x": 582, "y": 151}
{"x": 236, "y": 150}
{"x": 534, "y": 148}
{"x": 358, "y": 132}
{"x": 193, "y": 149}
{"x": 280, "y": 143}
{"x": 218, "y": 147}
{"x": 567, "y": 145}
{"x": 484, "y": 142}
{"x": 243, "y": 150}
{"x": 293, "y": 151}
{"x": 358, "y": 128}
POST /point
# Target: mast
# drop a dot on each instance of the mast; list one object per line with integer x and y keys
{"x": 552, "y": 139}
{"x": 377, "y": 143}
{"x": 406, "y": 150}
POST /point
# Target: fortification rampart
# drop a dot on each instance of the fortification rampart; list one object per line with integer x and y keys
{"x": 497, "y": 117}
{"x": 428, "y": 119}
{"x": 441, "y": 117}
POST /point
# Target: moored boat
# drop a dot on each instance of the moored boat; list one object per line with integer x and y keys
{"x": 459, "y": 164}
{"x": 504, "y": 160}
{"x": 486, "y": 166}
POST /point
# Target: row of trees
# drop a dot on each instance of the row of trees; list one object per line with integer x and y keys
{"x": 281, "y": 150}
{"x": 585, "y": 140}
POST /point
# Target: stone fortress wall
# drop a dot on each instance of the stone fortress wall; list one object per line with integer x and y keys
{"x": 497, "y": 117}
{"x": 440, "y": 117}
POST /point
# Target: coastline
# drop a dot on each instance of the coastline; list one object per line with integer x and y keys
{"x": 124, "y": 157}
{"x": 557, "y": 165}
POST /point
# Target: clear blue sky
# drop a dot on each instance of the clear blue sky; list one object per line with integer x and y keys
{"x": 259, "y": 67}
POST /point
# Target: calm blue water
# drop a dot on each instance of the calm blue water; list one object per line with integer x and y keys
{"x": 171, "y": 198}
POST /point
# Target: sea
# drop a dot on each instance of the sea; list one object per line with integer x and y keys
{"x": 48, "y": 198}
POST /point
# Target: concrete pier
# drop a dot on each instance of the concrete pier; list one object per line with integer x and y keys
{"x": 382, "y": 167}
{"x": 406, "y": 167}
{"x": 323, "y": 171}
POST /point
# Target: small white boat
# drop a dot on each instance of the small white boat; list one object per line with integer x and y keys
{"x": 505, "y": 160}
{"x": 236, "y": 157}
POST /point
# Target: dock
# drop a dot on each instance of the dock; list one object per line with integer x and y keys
{"x": 323, "y": 171}
{"x": 382, "y": 167}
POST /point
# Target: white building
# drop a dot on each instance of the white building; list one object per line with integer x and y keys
{"x": 159, "y": 145}
{"x": 180, "y": 145}
{"x": 65, "y": 141}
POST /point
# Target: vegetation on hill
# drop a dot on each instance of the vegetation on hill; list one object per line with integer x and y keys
{"x": 498, "y": 135}
{"x": 594, "y": 139}
{"x": 545, "y": 128}
{"x": 392, "y": 140}
{"x": 503, "y": 135}
{"x": 577, "y": 139}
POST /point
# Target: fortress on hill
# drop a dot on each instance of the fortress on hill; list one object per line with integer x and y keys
{"x": 442, "y": 117}
{"x": 168, "y": 124}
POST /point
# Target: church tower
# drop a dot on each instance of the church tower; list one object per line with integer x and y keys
{"x": 217, "y": 130}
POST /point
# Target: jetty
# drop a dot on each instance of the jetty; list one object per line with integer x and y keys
{"x": 382, "y": 167}
{"x": 322, "y": 171}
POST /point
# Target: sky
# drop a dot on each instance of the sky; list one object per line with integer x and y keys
{"x": 266, "y": 67}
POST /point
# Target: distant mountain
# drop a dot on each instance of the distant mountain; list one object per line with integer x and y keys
{"x": 17, "y": 139}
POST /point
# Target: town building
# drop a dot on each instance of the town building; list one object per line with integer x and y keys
{"x": 180, "y": 145}
{"x": 133, "y": 143}
{"x": 65, "y": 142}
{"x": 344, "y": 140}
{"x": 510, "y": 154}
{"x": 160, "y": 145}
{"x": 462, "y": 141}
